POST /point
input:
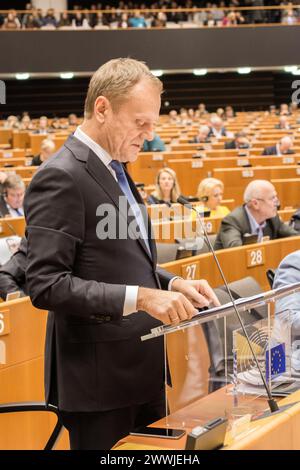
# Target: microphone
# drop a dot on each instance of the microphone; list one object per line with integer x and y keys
{"x": 272, "y": 403}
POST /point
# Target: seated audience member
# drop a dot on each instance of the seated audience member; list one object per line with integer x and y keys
{"x": 221, "y": 113}
{"x": 73, "y": 119}
{"x": 258, "y": 216}
{"x": 240, "y": 141}
{"x": 11, "y": 21}
{"x": 11, "y": 122}
{"x": 43, "y": 127}
{"x": 283, "y": 123}
{"x": 185, "y": 120}
{"x": 284, "y": 109}
{"x": 12, "y": 273}
{"x": 217, "y": 128}
{"x": 202, "y": 136}
{"x": 288, "y": 272}
{"x": 173, "y": 117}
{"x": 284, "y": 147}
{"x": 47, "y": 149}
{"x": 202, "y": 109}
{"x": 11, "y": 202}
{"x": 137, "y": 20}
{"x": 26, "y": 124}
{"x": 229, "y": 112}
{"x": 154, "y": 145}
{"x": 210, "y": 192}
{"x": 167, "y": 188}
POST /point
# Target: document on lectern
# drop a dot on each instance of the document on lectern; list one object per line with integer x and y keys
{"x": 242, "y": 304}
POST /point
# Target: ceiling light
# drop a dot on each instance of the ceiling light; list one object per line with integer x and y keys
{"x": 67, "y": 75}
{"x": 244, "y": 70}
{"x": 22, "y": 76}
{"x": 290, "y": 68}
{"x": 157, "y": 73}
{"x": 200, "y": 72}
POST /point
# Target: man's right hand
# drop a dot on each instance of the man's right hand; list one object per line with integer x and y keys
{"x": 166, "y": 306}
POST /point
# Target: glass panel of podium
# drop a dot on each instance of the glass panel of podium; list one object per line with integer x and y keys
{"x": 210, "y": 368}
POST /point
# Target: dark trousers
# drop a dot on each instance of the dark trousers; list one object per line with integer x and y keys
{"x": 101, "y": 430}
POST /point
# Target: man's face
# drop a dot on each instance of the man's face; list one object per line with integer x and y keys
{"x": 15, "y": 198}
{"x": 267, "y": 203}
{"x": 286, "y": 145}
{"x": 130, "y": 123}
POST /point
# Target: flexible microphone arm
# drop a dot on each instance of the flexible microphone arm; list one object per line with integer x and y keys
{"x": 272, "y": 403}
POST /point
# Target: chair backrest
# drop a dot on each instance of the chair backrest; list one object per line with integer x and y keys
{"x": 166, "y": 252}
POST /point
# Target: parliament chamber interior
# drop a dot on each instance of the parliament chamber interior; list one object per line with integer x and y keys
{"x": 178, "y": 122}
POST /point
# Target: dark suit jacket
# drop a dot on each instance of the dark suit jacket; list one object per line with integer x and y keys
{"x": 94, "y": 358}
{"x": 236, "y": 224}
{"x": 273, "y": 151}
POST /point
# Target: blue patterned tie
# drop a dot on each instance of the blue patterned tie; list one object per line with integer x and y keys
{"x": 125, "y": 188}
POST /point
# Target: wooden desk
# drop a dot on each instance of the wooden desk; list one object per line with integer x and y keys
{"x": 278, "y": 432}
{"x": 249, "y": 260}
{"x": 12, "y": 226}
{"x": 22, "y": 337}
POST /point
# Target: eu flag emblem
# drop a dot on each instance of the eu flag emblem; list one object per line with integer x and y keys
{"x": 278, "y": 363}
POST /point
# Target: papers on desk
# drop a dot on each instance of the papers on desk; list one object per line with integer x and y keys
{"x": 250, "y": 383}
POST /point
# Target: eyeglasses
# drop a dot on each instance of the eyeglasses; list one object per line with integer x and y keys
{"x": 272, "y": 199}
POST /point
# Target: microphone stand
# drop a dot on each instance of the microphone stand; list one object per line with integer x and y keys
{"x": 273, "y": 405}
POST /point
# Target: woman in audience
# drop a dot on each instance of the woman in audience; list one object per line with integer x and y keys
{"x": 167, "y": 188}
{"x": 210, "y": 192}
{"x": 47, "y": 149}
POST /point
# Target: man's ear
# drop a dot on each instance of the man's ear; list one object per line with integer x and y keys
{"x": 101, "y": 107}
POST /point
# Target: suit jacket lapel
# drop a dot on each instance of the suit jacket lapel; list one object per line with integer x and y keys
{"x": 104, "y": 178}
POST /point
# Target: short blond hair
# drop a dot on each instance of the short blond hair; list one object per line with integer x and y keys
{"x": 207, "y": 185}
{"x": 115, "y": 79}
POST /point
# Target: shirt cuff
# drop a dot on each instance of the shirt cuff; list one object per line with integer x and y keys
{"x": 130, "y": 300}
{"x": 172, "y": 280}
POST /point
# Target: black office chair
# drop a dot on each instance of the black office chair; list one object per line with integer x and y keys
{"x": 34, "y": 406}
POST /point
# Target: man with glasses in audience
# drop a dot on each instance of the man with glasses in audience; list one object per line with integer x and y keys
{"x": 258, "y": 216}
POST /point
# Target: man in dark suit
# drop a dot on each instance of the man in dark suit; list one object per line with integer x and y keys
{"x": 240, "y": 141}
{"x": 257, "y": 216}
{"x": 284, "y": 147}
{"x": 92, "y": 264}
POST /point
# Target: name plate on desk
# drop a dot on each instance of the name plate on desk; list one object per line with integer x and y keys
{"x": 286, "y": 160}
{"x": 242, "y": 161}
{"x": 298, "y": 171}
{"x": 157, "y": 157}
{"x": 7, "y": 154}
{"x": 197, "y": 164}
{"x": 190, "y": 271}
{"x": 248, "y": 173}
{"x": 4, "y": 322}
{"x": 255, "y": 257}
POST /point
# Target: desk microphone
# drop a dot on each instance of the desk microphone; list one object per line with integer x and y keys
{"x": 272, "y": 403}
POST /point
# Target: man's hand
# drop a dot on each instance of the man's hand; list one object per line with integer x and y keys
{"x": 199, "y": 292}
{"x": 166, "y": 306}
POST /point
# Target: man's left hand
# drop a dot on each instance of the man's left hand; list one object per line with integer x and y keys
{"x": 199, "y": 292}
